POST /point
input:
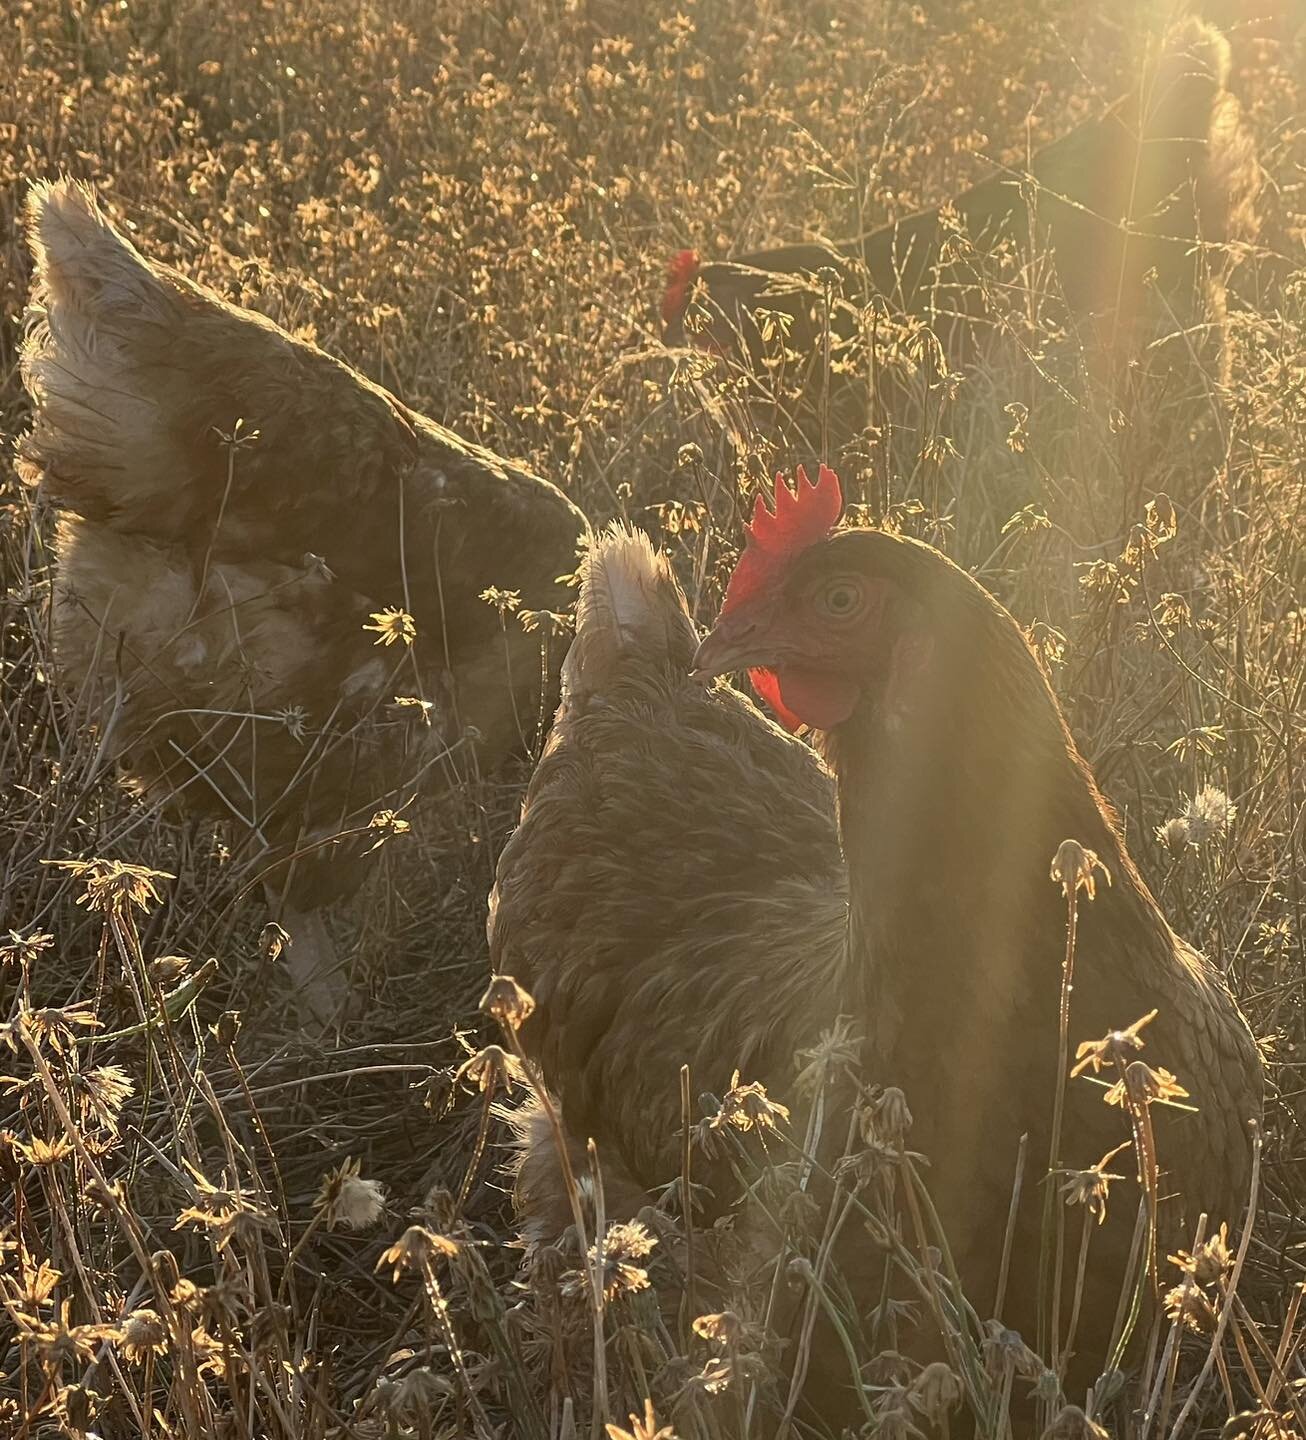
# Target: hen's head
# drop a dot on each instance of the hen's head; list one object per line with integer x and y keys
{"x": 827, "y": 620}
{"x": 681, "y": 274}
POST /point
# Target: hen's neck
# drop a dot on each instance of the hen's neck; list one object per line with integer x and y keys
{"x": 950, "y": 822}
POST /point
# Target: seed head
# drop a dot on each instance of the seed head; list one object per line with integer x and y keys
{"x": 1070, "y": 1423}
{"x": 747, "y": 1107}
{"x": 1175, "y": 835}
{"x": 1116, "y": 1047}
{"x": 415, "y": 1249}
{"x": 626, "y": 1244}
{"x": 346, "y": 1199}
{"x": 1141, "y": 1085}
{"x": 1210, "y": 1261}
{"x": 1209, "y": 813}
{"x": 491, "y": 1069}
{"x": 143, "y": 1333}
{"x": 1073, "y": 869}
{"x": 935, "y": 1391}
{"x": 507, "y": 1002}
{"x": 646, "y": 1428}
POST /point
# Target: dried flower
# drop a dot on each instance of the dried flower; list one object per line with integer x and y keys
{"x": 935, "y": 1391}
{"x": 1141, "y": 1085}
{"x": 1209, "y": 813}
{"x": 837, "y": 1048}
{"x": 1070, "y": 1423}
{"x": 23, "y": 950}
{"x": 412, "y": 1400}
{"x": 506, "y": 602}
{"x": 1210, "y": 1261}
{"x": 725, "y": 1328}
{"x": 274, "y": 940}
{"x": 392, "y": 624}
{"x": 1175, "y": 835}
{"x": 113, "y": 887}
{"x": 166, "y": 970}
{"x": 1073, "y": 866}
{"x": 415, "y": 1249}
{"x": 101, "y": 1093}
{"x": 1005, "y": 1352}
{"x": 346, "y": 1199}
{"x": 747, "y": 1107}
{"x": 646, "y": 1428}
{"x": 1114, "y": 1048}
{"x": 56, "y": 1027}
{"x": 1186, "y": 1305}
{"x": 1092, "y": 1187}
{"x": 507, "y": 1002}
{"x": 143, "y": 1334}
{"x": 226, "y": 1211}
{"x": 227, "y": 1029}
{"x": 625, "y": 1245}
{"x": 491, "y": 1068}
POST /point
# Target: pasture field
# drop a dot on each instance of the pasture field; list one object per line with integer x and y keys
{"x": 214, "y": 1226}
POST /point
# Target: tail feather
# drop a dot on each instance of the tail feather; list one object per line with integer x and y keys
{"x": 137, "y": 373}
{"x": 92, "y": 295}
{"x": 631, "y": 612}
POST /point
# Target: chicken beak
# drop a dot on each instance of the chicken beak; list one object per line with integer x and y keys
{"x": 734, "y": 643}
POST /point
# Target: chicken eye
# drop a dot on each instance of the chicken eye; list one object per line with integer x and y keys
{"x": 841, "y": 599}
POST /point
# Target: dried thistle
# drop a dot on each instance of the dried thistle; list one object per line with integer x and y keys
{"x": 143, "y": 1334}
{"x": 346, "y": 1199}
{"x": 625, "y": 1246}
{"x": 1209, "y": 1262}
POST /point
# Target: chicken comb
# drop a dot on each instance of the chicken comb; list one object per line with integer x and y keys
{"x": 800, "y": 518}
{"x": 681, "y": 272}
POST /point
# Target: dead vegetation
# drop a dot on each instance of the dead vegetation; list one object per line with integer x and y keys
{"x": 213, "y": 1228}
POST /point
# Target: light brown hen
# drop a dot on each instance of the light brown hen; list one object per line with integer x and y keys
{"x": 674, "y": 895}
{"x": 236, "y": 508}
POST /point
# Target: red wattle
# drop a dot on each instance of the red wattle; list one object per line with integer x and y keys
{"x": 806, "y": 697}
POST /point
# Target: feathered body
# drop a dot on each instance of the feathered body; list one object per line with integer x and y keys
{"x": 674, "y": 895}
{"x": 958, "y": 781}
{"x": 234, "y": 505}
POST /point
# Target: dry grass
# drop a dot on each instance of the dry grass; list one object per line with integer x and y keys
{"x": 472, "y": 203}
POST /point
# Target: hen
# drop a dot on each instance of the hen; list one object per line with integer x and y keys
{"x": 958, "y": 781}
{"x": 674, "y": 895}
{"x": 234, "y": 506}
{"x": 1154, "y": 187}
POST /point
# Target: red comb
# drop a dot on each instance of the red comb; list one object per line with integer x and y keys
{"x": 680, "y": 276}
{"x": 801, "y": 518}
